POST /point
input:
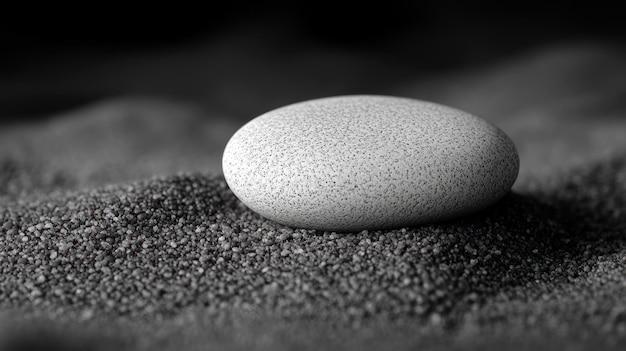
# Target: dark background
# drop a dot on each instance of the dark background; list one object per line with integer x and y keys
{"x": 264, "y": 55}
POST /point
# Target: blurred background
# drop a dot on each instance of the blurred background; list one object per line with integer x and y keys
{"x": 244, "y": 58}
{"x": 110, "y": 92}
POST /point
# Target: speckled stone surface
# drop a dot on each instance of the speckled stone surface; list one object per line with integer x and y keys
{"x": 359, "y": 162}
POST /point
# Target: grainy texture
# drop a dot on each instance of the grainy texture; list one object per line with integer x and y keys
{"x": 127, "y": 254}
{"x": 183, "y": 247}
{"x": 358, "y": 162}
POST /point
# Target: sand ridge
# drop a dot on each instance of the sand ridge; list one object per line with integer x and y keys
{"x": 159, "y": 248}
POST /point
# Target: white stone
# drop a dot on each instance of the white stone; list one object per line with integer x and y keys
{"x": 350, "y": 163}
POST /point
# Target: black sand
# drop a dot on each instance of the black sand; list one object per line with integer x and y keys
{"x": 105, "y": 245}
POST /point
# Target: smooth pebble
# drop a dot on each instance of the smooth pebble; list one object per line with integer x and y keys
{"x": 350, "y": 163}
